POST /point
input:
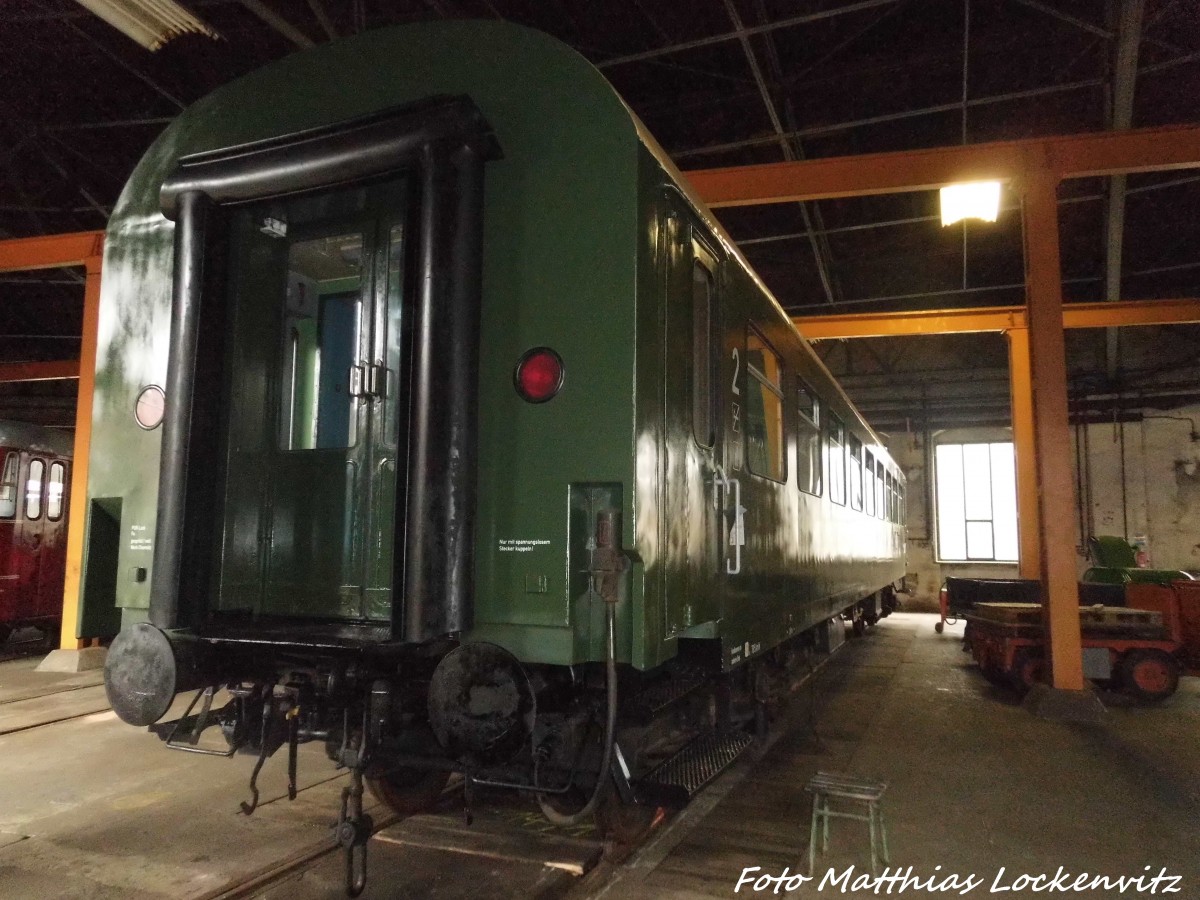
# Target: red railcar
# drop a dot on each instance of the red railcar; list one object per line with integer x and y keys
{"x": 35, "y": 475}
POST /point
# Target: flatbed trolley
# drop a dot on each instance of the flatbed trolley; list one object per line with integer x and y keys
{"x": 1142, "y": 647}
{"x": 958, "y": 596}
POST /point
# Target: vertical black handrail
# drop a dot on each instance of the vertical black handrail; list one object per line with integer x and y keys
{"x": 440, "y": 539}
{"x": 190, "y": 229}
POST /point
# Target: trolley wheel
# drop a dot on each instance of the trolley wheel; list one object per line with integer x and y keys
{"x": 939, "y": 626}
{"x": 408, "y": 791}
{"x": 994, "y": 674}
{"x": 1026, "y": 669}
{"x": 1149, "y": 674}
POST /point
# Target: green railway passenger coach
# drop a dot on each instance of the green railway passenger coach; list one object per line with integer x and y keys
{"x": 431, "y": 405}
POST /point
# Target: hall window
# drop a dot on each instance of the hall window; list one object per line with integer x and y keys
{"x": 764, "y": 410}
{"x": 976, "y": 496}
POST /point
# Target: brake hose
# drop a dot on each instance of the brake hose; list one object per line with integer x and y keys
{"x": 610, "y": 729}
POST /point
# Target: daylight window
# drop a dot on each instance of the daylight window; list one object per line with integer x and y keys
{"x": 976, "y": 502}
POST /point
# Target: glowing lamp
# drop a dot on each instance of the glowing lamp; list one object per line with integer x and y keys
{"x": 974, "y": 200}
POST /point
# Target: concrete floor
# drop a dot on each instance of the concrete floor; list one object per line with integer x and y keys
{"x": 90, "y": 808}
{"x": 976, "y": 783}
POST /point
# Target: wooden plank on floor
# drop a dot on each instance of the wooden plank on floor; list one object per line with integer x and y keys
{"x": 20, "y": 715}
{"x": 19, "y": 680}
{"x": 491, "y": 834}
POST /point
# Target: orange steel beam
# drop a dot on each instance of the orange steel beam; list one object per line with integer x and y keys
{"x": 1071, "y": 156}
{"x": 1052, "y": 431}
{"x": 58, "y": 370}
{"x": 77, "y": 509}
{"x": 82, "y": 248}
{"x": 50, "y": 251}
{"x": 996, "y": 318}
{"x": 1029, "y": 526}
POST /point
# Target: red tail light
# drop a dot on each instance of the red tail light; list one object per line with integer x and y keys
{"x": 539, "y": 375}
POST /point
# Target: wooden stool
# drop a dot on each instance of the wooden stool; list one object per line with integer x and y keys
{"x": 827, "y": 786}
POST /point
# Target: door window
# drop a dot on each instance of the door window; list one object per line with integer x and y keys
{"x": 703, "y": 360}
{"x": 764, "y": 410}
{"x": 324, "y": 281}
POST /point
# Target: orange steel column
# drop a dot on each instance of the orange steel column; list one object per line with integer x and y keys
{"x": 77, "y": 513}
{"x": 1029, "y": 526}
{"x": 1052, "y": 432}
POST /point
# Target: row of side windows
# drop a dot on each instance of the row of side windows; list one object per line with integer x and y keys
{"x": 856, "y": 477}
{"x": 40, "y": 494}
{"x": 852, "y": 468}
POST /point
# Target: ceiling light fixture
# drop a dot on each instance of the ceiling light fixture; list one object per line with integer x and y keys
{"x": 149, "y": 22}
{"x": 973, "y": 200}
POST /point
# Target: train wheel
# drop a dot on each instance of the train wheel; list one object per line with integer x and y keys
{"x": 1149, "y": 674}
{"x": 408, "y": 791}
{"x": 1026, "y": 669}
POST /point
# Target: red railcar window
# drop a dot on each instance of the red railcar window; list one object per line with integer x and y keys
{"x": 33, "y": 489}
{"x": 54, "y": 491}
{"x": 8, "y": 486}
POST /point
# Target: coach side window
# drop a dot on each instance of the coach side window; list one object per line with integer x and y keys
{"x": 54, "y": 492}
{"x": 836, "y": 449}
{"x": 869, "y": 483}
{"x": 8, "y": 486}
{"x": 703, "y": 358}
{"x": 855, "y": 472}
{"x": 764, "y": 410}
{"x": 33, "y": 489}
{"x": 808, "y": 441}
{"x": 880, "y": 490}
